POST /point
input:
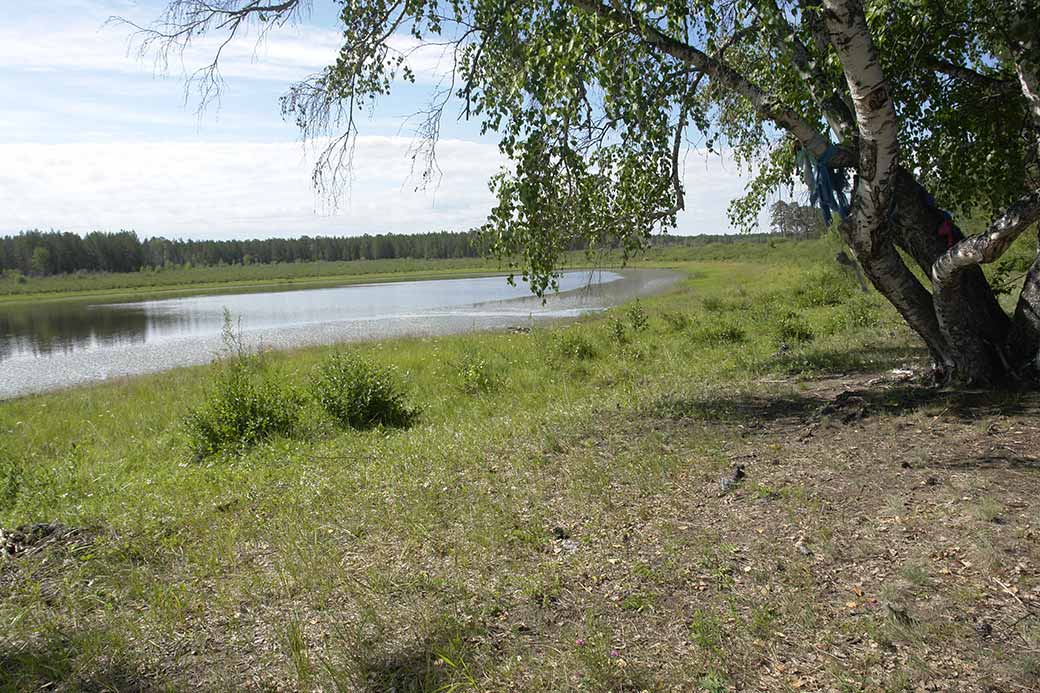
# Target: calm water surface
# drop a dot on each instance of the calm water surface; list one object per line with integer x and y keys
{"x": 45, "y": 346}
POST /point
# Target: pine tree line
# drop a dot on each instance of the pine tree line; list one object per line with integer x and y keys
{"x": 45, "y": 253}
{"x": 42, "y": 253}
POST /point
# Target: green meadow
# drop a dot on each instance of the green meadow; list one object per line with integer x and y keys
{"x": 551, "y": 517}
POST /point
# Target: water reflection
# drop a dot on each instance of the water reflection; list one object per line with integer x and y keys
{"x": 43, "y": 330}
{"x": 58, "y": 327}
{"x": 82, "y": 342}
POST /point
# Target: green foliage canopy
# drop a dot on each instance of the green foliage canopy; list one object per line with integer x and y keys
{"x": 597, "y": 101}
{"x": 592, "y": 101}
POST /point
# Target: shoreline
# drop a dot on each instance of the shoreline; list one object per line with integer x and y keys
{"x": 154, "y": 359}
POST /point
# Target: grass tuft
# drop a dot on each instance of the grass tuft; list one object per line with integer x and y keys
{"x": 360, "y": 395}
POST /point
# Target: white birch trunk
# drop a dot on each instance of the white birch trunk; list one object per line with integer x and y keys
{"x": 875, "y": 117}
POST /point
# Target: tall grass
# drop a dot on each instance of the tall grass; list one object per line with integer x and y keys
{"x": 247, "y": 404}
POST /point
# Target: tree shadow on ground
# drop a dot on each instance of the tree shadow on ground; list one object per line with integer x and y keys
{"x": 992, "y": 460}
{"x": 439, "y": 664}
{"x": 61, "y": 663}
{"x": 743, "y": 408}
{"x": 439, "y": 659}
{"x": 855, "y": 403}
{"x": 844, "y": 361}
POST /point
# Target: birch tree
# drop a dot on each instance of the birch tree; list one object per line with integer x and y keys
{"x": 929, "y": 109}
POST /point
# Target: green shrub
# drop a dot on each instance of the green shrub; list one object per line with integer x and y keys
{"x": 359, "y": 395}
{"x": 475, "y": 375}
{"x": 638, "y": 351}
{"x": 11, "y": 478}
{"x": 789, "y": 328}
{"x": 573, "y": 345}
{"x": 676, "y": 321}
{"x": 247, "y": 405}
{"x": 618, "y": 331}
{"x": 823, "y": 288}
{"x": 637, "y": 317}
{"x": 713, "y": 304}
{"x": 720, "y": 333}
{"x": 860, "y": 312}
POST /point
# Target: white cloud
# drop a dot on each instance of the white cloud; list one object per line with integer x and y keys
{"x": 235, "y": 189}
{"x": 246, "y": 189}
{"x": 136, "y": 176}
{"x": 286, "y": 54}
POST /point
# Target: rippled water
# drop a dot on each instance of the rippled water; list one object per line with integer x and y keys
{"x": 57, "y": 344}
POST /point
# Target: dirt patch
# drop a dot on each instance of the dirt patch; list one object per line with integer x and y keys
{"x": 872, "y": 533}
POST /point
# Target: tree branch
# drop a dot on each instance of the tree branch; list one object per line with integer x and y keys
{"x": 767, "y": 106}
{"x": 969, "y": 76}
{"x": 184, "y": 21}
{"x": 989, "y": 246}
{"x": 834, "y": 109}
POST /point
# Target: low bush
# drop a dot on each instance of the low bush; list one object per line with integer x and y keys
{"x": 618, "y": 331}
{"x": 789, "y": 328}
{"x": 823, "y": 288}
{"x": 572, "y": 344}
{"x": 714, "y": 304}
{"x": 637, "y": 317}
{"x": 676, "y": 321}
{"x": 719, "y": 333}
{"x": 248, "y": 404}
{"x": 861, "y": 312}
{"x": 735, "y": 302}
{"x": 475, "y": 374}
{"x": 360, "y": 395}
{"x": 11, "y": 477}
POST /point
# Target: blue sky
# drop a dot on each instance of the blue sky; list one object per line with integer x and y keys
{"x": 94, "y": 138}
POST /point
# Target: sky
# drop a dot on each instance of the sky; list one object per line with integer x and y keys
{"x": 93, "y": 137}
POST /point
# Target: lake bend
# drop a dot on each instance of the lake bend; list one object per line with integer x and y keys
{"x": 57, "y": 344}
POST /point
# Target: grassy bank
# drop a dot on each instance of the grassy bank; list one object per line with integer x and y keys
{"x": 197, "y": 280}
{"x": 181, "y": 281}
{"x": 554, "y": 519}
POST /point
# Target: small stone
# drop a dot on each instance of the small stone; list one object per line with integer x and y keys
{"x": 727, "y": 483}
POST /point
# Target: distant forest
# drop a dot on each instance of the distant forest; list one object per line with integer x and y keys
{"x": 42, "y": 253}
{"x": 45, "y": 253}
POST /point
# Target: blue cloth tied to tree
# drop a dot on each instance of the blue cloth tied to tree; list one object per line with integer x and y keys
{"x": 827, "y": 186}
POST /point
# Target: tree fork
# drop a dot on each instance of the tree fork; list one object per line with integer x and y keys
{"x": 974, "y": 349}
{"x": 916, "y": 225}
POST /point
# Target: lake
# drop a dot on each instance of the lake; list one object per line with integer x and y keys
{"x": 56, "y": 344}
